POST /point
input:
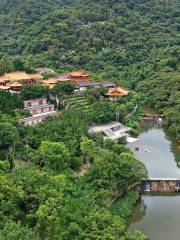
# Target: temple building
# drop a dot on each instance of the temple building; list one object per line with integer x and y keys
{"x": 77, "y": 75}
{"x": 50, "y": 82}
{"x": 82, "y": 81}
{"x": 82, "y": 85}
{"x": 14, "y": 80}
{"x": 15, "y": 87}
{"x": 108, "y": 85}
{"x": 117, "y": 92}
{"x": 21, "y": 77}
{"x": 39, "y": 109}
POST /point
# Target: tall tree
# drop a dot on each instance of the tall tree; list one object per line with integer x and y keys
{"x": 34, "y": 91}
{"x": 54, "y": 155}
{"x": 8, "y": 134}
{"x": 6, "y": 65}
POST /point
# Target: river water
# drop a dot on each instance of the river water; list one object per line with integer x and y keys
{"x": 157, "y": 215}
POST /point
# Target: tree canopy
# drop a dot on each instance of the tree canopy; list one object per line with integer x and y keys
{"x": 56, "y": 181}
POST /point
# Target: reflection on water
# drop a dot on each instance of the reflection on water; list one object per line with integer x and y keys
{"x": 174, "y": 148}
{"x": 139, "y": 212}
{"x": 158, "y": 152}
{"x": 158, "y": 216}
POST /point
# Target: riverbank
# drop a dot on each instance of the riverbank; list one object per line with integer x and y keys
{"x": 124, "y": 209}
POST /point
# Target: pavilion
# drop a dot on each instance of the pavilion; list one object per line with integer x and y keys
{"x": 117, "y": 92}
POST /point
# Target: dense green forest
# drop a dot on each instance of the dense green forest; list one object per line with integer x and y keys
{"x": 44, "y": 191}
{"x": 125, "y": 41}
{"x": 57, "y": 182}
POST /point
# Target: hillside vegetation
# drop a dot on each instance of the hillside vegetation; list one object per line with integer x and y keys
{"x": 56, "y": 181}
{"x": 93, "y": 34}
{"x": 127, "y": 41}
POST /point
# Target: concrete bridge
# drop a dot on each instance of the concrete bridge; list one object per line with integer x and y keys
{"x": 161, "y": 185}
{"x": 147, "y": 116}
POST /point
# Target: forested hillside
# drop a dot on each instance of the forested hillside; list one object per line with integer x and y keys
{"x": 56, "y": 181}
{"x": 93, "y": 34}
{"x": 121, "y": 40}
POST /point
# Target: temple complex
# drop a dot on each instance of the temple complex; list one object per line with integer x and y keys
{"x": 82, "y": 80}
{"x": 79, "y": 78}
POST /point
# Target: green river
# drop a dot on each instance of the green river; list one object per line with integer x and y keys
{"x": 157, "y": 215}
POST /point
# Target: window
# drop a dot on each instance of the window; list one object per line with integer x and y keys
{"x": 29, "y": 104}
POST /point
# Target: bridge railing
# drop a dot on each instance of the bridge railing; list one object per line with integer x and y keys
{"x": 160, "y": 185}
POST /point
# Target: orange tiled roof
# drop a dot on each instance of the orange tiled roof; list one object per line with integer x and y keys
{"x": 79, "y": 74}
{"x": 72, "y": 76}
{"x": 16, "y": 76}
{"x": 63, "y": 79}
{"x": 35, "y": 76}
{"x": 117, "y": 92}
{"x": 50, "y": 81}
{"x": 76, "y": 79}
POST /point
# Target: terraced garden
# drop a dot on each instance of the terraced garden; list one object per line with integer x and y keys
{"x": 78, "y": 101}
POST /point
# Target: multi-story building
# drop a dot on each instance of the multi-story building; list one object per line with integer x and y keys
{"x": 39, "y": 109}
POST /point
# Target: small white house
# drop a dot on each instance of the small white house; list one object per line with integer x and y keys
{"x": 113, "y": 130}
